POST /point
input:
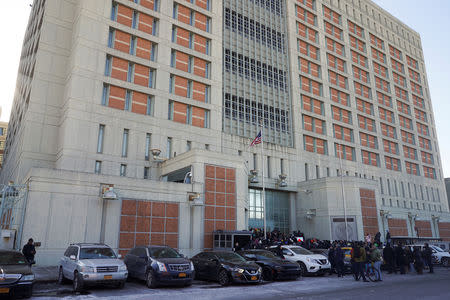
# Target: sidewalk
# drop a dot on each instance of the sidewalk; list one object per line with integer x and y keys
{"x": 45, "y": 274}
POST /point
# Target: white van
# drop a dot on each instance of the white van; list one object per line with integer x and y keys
{"x": 439, "y": 256}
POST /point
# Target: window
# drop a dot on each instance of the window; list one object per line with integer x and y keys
{"x": 128, "y": 101}
{"x": 148, "y": 142}
{"x": 123, "y": 170}
{"x": 269, "y": 167}
{"x": 169, "y": 148}
{"x": 108, "y": 66}
{"x": 150, "y": 105}
{"x": 98, "y": 167}
{"x": 188, "y": 146}
{"x": 125, "y": 143}
{"x": 306, "y": 172}
{"x": 101, "y": 133}
{"x": 146, "y": 172}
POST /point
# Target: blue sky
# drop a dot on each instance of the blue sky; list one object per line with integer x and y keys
{"x": 430, "y": 18}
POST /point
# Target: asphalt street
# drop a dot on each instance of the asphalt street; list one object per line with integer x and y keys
{"x": 394, "y": 286}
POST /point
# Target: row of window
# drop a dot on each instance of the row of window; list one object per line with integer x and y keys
{"x": 188, "y": 114}
{"x": 414, "y": 192}
{"x": 132, "y": 45}
{"x": 190, "y": 64}
{"x": 191, "y": 17}
{"x": 191, "y": 40}
{"x": 255, "y": 70}
{"x": 134, "y": 19}
{"x": 253, "y": 29}
{"x": 252, "y": 112}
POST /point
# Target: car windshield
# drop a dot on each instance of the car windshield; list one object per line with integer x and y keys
{"x": 227, "y": 256}
{"x": 301, "y": 251}
{"x": 12, "y": 258}
{"x": 164, "y": 253}
{"x": 438, "y": 249}
{"x": 265, "y": 254}
{"x": 96, "y": 253}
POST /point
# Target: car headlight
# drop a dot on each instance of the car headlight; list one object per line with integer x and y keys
{"x": 259, "y": 270}
{"x": 161, "y": 267}
{"x": 123, "y": 268}
{"x": 27, "y": 277}
{"x": 86, "y": 269}
{"x": 192, "y": 266}
{"x": 239, "y": 270}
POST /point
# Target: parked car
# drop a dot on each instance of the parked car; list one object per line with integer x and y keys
{"x": 89, "y": 264}
{"x": 225, "y": 267}
{"x": 309, "y": 262}
{"x": 159, "y": 265}
{"x": 323, "y": 252}
{"x": 16, "y": 277}
{"x": 438, "y": 255}
{"x": 347, "y": 259}
{"x": 273, "y": 267}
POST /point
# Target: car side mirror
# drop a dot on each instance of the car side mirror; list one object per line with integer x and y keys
{"x": 73, "y": 257}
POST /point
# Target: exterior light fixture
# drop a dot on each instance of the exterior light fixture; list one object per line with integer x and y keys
{"x": 109, "y": 194}
{"x": 281, "y": 182}
{"x": 253, "y": 176}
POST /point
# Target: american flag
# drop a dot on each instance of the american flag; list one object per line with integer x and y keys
{"x": 257, "y": 140}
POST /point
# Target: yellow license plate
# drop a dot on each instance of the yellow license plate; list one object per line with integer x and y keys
{"x": 107, "y": 277}
{"x": 253, "y": 278}
{"x": 182, "y": 275}
{"x": 4, "y": 290}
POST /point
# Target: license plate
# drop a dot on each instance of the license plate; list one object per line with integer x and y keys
{"x": 182, "y": 275}
{"x": 4, "y": 290}
{"x": 107, "y": 277}
{"x": 253, "y": 278}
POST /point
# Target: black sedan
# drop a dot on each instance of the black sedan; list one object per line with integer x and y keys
{"x": 273, "y": 267}
{"x": 159, "y": 265}
{"x": 16, "y": 277}
{"x": 226, "y": 267}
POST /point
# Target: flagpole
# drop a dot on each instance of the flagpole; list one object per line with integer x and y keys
{"x": 343, "y": 194}
{"x": 262, "y": 175}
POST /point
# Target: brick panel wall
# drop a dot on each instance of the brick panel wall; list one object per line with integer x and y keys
{"x": 444, "y": 231}
{"x": 220, "y": 201}
{"x": 423, "y": 228}
{"x": 398, "y": 227}
{"x": 148, "y": 223}
{"x": 369, "y": 211}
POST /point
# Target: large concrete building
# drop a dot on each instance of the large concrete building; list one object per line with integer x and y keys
{"x": 339, "y": 87}
{"x": 3, "y": 132}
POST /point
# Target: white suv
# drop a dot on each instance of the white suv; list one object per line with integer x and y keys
{"x": 309, "y": 262}
{"x": 88, "y": 264}
{"x": 441, "y": 257}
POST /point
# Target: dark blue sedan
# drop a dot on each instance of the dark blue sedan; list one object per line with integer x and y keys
{"x": 159, "y": 265}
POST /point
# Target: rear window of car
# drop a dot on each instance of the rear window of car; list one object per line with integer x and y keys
{"x": 164, "y": 253}
{"x": 12, "y": 258}
{"x": 96, "y": 253}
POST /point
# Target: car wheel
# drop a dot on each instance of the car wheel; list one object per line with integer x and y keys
{"x": 28, "y": 294}
{"x": 445, "y": 262}
{"x": 267, "y": 274}
{"x": 224, "y": 280}
{"x": 61, "y": 278}
{"x": 121, "y": 284}
{"x": 303, "y": 269}
{"x": 150, "y": 280}
{"x": 77, "y": 282}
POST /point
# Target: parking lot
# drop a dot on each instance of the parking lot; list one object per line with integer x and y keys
{"x": 328, "y": 287}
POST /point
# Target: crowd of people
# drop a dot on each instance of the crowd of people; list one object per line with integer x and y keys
{"x": 398, "y": 258}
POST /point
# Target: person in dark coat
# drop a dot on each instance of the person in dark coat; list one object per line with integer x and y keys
{"x": 427, "y": 255}
{"x": 400, "y": 258}
{"x": 339, "y": 261}
{"x": 29, "y": 251}
{"x": 418, "y": 262}
{"x": 331, "y": 259}
{"x": 279, "y": 251}
{"x": 388, "y": 255}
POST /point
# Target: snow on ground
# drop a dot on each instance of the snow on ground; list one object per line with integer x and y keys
{"x": 136, "y": 290}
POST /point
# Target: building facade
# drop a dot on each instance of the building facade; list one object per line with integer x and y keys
{"x": 3, "y": 132}
{"x": 161, "y": 99}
